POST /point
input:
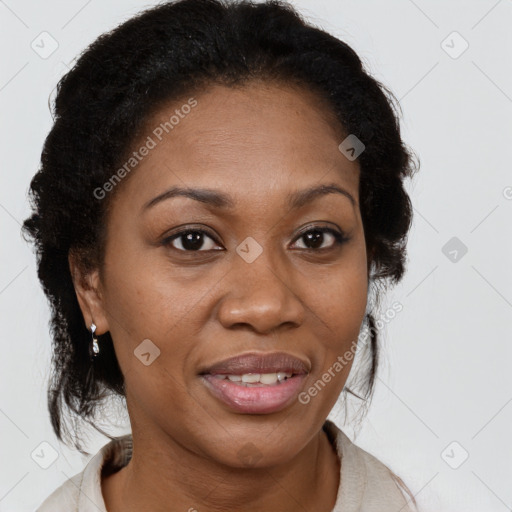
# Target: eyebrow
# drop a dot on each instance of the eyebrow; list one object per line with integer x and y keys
{"x": 221, "y": 200}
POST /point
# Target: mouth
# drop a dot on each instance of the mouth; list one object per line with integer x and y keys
{"x": 256, "y": 383}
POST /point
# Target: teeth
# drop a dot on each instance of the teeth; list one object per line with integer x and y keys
{"x": 256, "y": 378}
{"x": 268, "y": 378}
{"x": 251, "y": 378}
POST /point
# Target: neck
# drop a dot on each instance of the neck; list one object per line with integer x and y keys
{"x": 153, "y": 480}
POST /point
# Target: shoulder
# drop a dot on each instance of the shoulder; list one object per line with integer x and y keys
{"x": 65, "y": 495}
{"x": 82, "y": 492}
{"x": 365, "y": 482}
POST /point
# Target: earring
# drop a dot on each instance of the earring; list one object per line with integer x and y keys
{"x": 94, "y": 347}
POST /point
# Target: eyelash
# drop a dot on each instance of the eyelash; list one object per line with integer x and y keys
{"x": 339, "y": 239}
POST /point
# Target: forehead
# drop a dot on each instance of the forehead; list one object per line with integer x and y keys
{"x": 252, "y": 140}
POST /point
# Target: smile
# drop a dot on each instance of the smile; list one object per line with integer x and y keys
{"x": 256, "y": 383}
{"x": 256, "y": 379}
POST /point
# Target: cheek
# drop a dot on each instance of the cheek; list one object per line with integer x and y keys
{"x": 344, "y": 294}
{"x": 339, "y": 301}
{"x": 343, "y": 314}
{"x": 149, "y": 299}
{"x": 339, "y": 296}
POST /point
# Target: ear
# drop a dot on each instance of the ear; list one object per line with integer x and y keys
{"x": 87, "y": 286}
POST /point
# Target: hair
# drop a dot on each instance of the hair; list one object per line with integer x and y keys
{"x": 103, "y": 104}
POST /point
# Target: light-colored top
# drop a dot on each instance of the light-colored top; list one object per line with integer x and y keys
{"x": 366, "y": 484}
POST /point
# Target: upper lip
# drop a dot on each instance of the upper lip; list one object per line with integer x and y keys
{"x": 259, "y": 363}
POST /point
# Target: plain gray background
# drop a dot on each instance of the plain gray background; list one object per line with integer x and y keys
{"x": 444, "y": 390}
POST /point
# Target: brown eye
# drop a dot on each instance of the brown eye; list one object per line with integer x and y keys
{"x": 191, "y": 240}
{"x": 317, "y": 238}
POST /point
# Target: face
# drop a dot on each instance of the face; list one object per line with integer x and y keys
{"x": 249, "y": 262}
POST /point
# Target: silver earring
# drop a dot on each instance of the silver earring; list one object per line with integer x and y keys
{"x": 94, "y": 348}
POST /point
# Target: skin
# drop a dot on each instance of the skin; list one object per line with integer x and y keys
{"x": 257, "y": 143}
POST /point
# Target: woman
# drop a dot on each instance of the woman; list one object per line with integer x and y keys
{"x": 220, "y": 193}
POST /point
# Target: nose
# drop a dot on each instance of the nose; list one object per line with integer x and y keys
{"x": 261, "y": 297}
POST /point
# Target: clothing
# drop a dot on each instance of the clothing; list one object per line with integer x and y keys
{"x": 366, "y": 484}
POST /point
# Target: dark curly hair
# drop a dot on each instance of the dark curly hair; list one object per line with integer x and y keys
{"x": 101, "y": 107}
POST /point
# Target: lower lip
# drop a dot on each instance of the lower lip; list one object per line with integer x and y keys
{"x": 256, "y": 399}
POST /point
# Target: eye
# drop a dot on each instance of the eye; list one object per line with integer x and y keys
{"x": 199, "y": 240}
{"x": 191, "y": 240}
{"x": 315, "y": 238}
